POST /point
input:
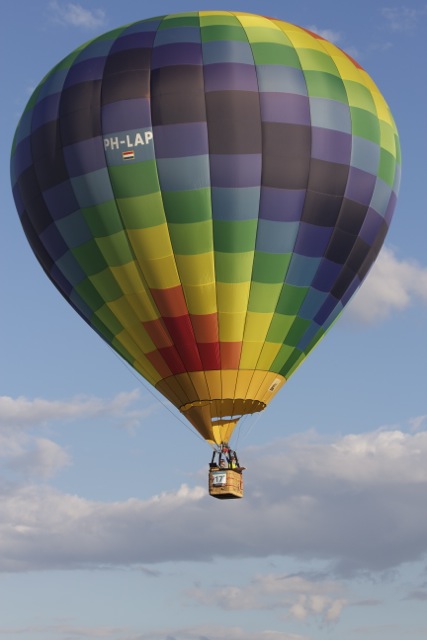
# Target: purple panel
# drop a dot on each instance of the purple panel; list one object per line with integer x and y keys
{"x": 360, "y": 186}
{"x": 390, "y": 208}
{"x": 20, "y": 207}
{"x": 45, "y": 110}
{"x": 178, "y": 140}
{"x": 60, "y": 280}
{"x": 326, "y": 275}
{"x": 230, "y": 77}
{"x": 329, "y": 145}
{"x": 169, "y": 55}
{"x": 351, "y": 290}
{"x": 312, "y": 240}
{"x": 84, "y": 157}
{"x": 236, "y": 170}
{"x": 61, "y": 200}
{"x": 53, "y": 242}
{"x": 325, "y": 311}
{"x": 371, "y": 226}
{"x": 285, "y": 107}
{"x": 281, "y": 204}
{"x": 22, "y": 157}
{"x": 142, "y": 40}
{"x": 85, "y": 71}
{"x": 135, "y": 113}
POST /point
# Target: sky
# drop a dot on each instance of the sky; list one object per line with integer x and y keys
{"x": 106, "y": 528}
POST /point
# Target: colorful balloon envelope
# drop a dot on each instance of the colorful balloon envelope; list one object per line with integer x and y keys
{"x": 207, "y": 190}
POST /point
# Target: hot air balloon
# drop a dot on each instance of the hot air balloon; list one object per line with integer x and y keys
{"x": 207, "y": 190}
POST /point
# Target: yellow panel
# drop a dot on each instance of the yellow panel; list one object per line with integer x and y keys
{"x": 265, "y": 33}
{"x": 387, "y": 140}
{"x": 201, "y": 300}
{"x": 196, "y": 269}
{"x": 302, "y": 39}
{"x": 128, "y": 277}
{"x": 267, "y": 355}
{"x": 229, "y": 380}
{"x": 143, "y": 371}
{"x": 233, "y": 297}
{"x": 213, "y": 379}
{"x": 143, "y": 306}
{"x": 200, "y": 384}
{"x": 144, "y": 364}
{"x": 124, "y": 312}
{"x": 250, "y": 354}
{"x": 242, "y": 384}
{"x": 231, "y": 326}
{"x": 257, "y": 325}
{"x": 345, "y": 66}
{"x": 161, "y": 273}
{"x": 383, "y": 110}
{"x": 151, "y": 243}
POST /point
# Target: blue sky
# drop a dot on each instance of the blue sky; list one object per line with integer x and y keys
{"x": 106, "y": 530}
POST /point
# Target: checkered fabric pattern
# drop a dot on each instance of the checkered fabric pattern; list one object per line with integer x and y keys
{"x": 207, "y": 190}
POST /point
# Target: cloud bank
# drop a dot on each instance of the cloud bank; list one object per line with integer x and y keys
{"x": 74, "y": 15}
{"x": 357, "y": 502}
{"x": 392, "y": 285}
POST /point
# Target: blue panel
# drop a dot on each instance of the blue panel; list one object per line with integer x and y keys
{"x": 183, "y": 34}
{"x": 276, "y": 237}
{"x": 330, "y": 114}
{"x": 282, "y": 204}
{"x": 183, "y": 174}
{"x": 177, "y": 140}
{"x": 134, "y": 114}
{"x": 280, "y": 79}
{"x": 74, "y": 230}
{"x": 235, "y": 204}
{"x": 93, "y": 188}
{"x": 381, "y": 196}
{"x": 84, "y": 157}
{"x": 227, "y": 51}
{"x": 312, "y": 240}
{"x": 365, "y": 155}
{"x": 285, "y": 107}
{"x": 236, "y": 170}
{"x": 312, "y": 303}
{"x": 302, "y": 270}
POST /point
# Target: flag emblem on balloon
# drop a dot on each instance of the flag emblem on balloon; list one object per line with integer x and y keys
{"x": 265, "y": 181}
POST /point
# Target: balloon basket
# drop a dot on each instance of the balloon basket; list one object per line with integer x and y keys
{"x": 225, "y": 484}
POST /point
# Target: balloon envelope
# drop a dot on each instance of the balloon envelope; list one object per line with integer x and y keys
{"x": 207, "y": 190}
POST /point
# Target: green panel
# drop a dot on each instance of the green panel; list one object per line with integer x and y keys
{"x": 387, "y": 167}
{"x": 363, "y": 95}
{"x": 117, "y": 346}
{"x": 109, "y": 320}
{"x": 142, "y": 212}
{"x": 103, "y": 219}
{"x": 222, "y": 33}
{"x": 88, "y": 293}
{"x": 190, "y": 19}
{"x": 99, "y": 326}
{"x": 263, "y": 297}
{"x": 279, "y": 328}
{"x": 365, "y": 124}
{"x": 233, "y": 267}
{"x": 311, "y": 59}
{"x": 297, "y": 330}
{"x": 89, "y": 258}
{"x": 325, "y": 85}
{"x": 291, "y": 299}
{"x": 235, "y": 236}
{"x": 318, "y": 336}
{"x": 191, "y": 239}
{"x": 136, "y": 179}
{"x": 285, "y": 352}
{"x": 115, "y": 249}
{"x": 292, "y": 363}
{"x": 187, "y": 206}
{"x": 107, "y": 286}
{"x": 273, "y": 53}
{"x": 218, "y": 20}
{"x": 270, "y": 267}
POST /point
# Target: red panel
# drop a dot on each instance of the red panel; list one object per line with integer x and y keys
{"x": 159, "y": 363}
{"x": 230, "y": 354}
{"x": 209, "y": 354}
{"x": 181, "y": 332}
{"x": 172, "y": 359}
{"x": 170, "y": 302}
{"x": 205, "y": 327}
{"x": 158, "y": 333}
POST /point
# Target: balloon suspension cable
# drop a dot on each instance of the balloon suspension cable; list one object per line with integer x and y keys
{"x": 158, "y": 398}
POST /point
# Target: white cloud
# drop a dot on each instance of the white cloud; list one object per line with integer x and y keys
{"x": 357, "y": 502}
{"x": 296, "y": 595}
{"x": 391, "y": 285}
{"x": 403, "y": 18}
{"x": 23, "y": 412}
{"x": 30, "y": 457}
{"x": 73, "y": 14}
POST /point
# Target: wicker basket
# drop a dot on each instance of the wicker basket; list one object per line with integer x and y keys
{"x": 225, "y": 484}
